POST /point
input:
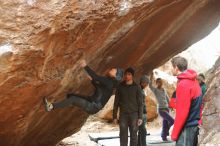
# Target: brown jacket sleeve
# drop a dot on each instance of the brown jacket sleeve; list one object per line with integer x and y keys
{"x": 116, "y": 105}
{"x": 140, "y": 103}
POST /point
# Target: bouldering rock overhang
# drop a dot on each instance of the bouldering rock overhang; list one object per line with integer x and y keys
{"x": 48, "y": 39}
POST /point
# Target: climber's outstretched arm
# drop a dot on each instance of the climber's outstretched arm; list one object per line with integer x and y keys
{"x": 92, "y": 74}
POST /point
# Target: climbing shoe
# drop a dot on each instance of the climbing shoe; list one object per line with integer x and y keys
{"x": 48, "y": 106}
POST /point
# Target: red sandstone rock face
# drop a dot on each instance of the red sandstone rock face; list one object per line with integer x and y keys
{"x": 151, "y": 109}
{"x": 49, "y": 37}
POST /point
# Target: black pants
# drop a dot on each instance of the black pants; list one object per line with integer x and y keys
{"x": 90, "y": 104}
{"x": 142, "y": 133}
{"x": 128, "y": 121}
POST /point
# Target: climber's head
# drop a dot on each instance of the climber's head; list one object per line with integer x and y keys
{"x": 116, "y": 73}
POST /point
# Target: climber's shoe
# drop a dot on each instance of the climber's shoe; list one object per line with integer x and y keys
{"x": 48, "y": 106}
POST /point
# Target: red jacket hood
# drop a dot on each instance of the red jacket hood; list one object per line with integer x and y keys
{"x": 188, "y": 74}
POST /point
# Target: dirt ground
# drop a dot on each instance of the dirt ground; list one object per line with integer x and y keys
{"x": 96, "y": 125}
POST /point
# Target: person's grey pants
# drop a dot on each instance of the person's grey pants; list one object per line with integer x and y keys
{"x": 188, "y": 137}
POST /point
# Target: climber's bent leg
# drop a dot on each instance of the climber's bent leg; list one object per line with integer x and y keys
{"x": 69, "y": 101}
{"x": 89, "y": 107}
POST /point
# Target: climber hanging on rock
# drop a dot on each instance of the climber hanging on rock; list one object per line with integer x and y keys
{"x": 104, "y": 86}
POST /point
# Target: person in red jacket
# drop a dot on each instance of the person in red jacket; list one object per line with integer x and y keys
{"x": 189, "y": 98}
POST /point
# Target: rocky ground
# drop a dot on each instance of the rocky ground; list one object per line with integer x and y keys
{"x": 97, "y": 125}
{"x": 92, "y": 125}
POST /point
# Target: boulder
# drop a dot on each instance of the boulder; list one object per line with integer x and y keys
{"x": 106, "y": 112}
{"x": 42, "y": 42}
{"x": 211, "y": 115}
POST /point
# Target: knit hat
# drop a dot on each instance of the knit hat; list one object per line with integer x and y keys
{"x": 130, "y": 70}
{"x": 119, "y": 74}
{"x": 144, "y": 78}
{"x": 202, "y": 76}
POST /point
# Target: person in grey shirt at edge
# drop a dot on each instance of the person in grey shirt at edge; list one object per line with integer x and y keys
{"x": 163, "y": 106}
